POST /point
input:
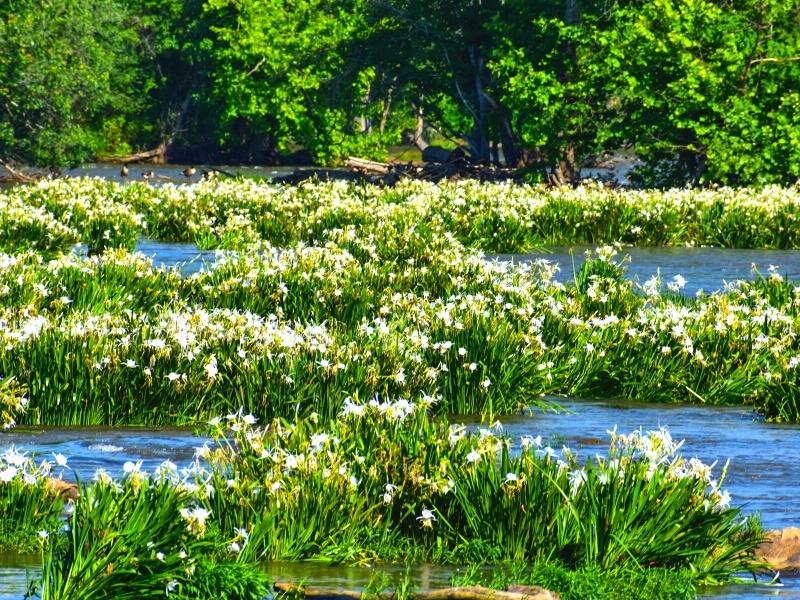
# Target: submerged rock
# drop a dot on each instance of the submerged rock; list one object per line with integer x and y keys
{"x": 782, "y": 549}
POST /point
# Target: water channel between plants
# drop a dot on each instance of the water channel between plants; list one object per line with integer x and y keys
{"x": 764, "y": 474}
{"x": 706, "y": 269}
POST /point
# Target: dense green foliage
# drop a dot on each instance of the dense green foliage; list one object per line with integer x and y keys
{"x": 703, "y": 90}
{"x": 66, "y": 77}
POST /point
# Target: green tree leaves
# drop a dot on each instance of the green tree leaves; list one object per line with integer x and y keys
{"x": 702, "y": 90}
{"x": 65, "y": 68}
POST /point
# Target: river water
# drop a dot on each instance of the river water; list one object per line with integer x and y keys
{"x": 706, "y": 269}
{"x": 764, "y": 473}
{"x": 168, "y": 173}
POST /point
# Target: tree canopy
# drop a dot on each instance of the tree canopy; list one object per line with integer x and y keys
{"x": 701, "y": 90}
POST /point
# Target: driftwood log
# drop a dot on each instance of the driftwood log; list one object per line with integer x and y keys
{"x": 17, "y": 176}
{"x": 371, "y": 166}
{"x": 472, "y": 592}
{"x": 300, "y": 175}
{"x": 155, "y": 155}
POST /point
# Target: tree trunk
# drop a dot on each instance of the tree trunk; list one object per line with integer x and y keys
{"x": 419, "y": 131}
{"x": 180, "y": 119}
{"x": 479, "y": 139}
{"x": 386, "y": 110}
{"x": 693, "y": 166}
{"x": 510, "y": 153}
{"x": 567, "y": 171}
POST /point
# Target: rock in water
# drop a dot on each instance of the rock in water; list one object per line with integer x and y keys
{"x": 782, "y": 549}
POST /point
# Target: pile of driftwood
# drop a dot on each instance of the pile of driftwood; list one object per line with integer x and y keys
{"x": 472, "y": 592}
{"x": 12, "y": 175}
{"x": 370, "y": 171}
{"x": 458, "y": 166}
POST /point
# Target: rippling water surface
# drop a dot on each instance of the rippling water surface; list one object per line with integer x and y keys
{"x": 764, "y": 472}
{"x": 704, "y": 269}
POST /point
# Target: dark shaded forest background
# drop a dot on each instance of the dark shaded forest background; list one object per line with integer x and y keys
{"x": 701, "y": 90}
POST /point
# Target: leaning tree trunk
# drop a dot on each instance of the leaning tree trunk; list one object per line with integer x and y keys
{"x": 387, "y": 108}
{"x": 510, "y": 153}
{"x": 180, "y": 119}
{"x": 159, "y": 154}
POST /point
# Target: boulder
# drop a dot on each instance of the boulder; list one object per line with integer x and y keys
{"x": 781, "y": 550}
{"x": 68, "y": 491}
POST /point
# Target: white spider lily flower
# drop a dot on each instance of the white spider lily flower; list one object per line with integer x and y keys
{"x": 426, "y": 518}
{"x": 576, "y": 480}
{"x": 211, "y": 368}
{"x": 7, "y": 474}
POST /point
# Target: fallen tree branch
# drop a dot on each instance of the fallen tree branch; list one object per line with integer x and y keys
{"x": 143, "y": 156}
{"x": 17, "y": 175}
{"x": 370, "y": 166}
{"x": 455, "y": 167}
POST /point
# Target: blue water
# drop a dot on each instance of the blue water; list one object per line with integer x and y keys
{"x": 90, "y": 448}
{"x": 764, "y": 472}
{"x": 704, "y": 269}
{"x": 186, "y": 257}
